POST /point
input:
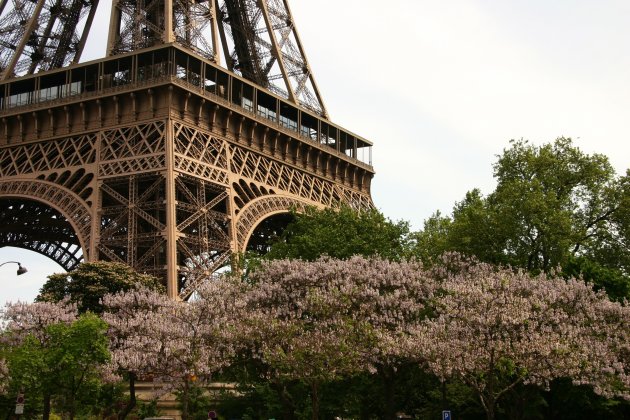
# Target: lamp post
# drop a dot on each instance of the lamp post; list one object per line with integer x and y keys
{"x": 21, "y": 269}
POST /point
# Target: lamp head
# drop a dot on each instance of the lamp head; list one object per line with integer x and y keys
{"x": 21, "y": 270}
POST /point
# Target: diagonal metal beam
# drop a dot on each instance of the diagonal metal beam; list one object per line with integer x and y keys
{"x": 276, "y": 50}
{"x": 30, "y": 29}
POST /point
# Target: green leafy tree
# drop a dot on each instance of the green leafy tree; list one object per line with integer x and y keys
{"x": 552, "y": 204}
{"x": 196, "y": 400}
{"x": 90, "y": 282}
{"x": 612, "y": 280}
{"x": 56, "y": 363}
{"x": 341, "y": 233}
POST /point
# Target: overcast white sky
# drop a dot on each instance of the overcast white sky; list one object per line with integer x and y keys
{"x": 440, "y": 87}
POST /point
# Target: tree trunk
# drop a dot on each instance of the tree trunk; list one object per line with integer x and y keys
{"x": 490, "y": 411}
{"x": 132, "y": 398}
{"x": 71, "y": 407}
{"x": 315, "y": 400}
{"x": 288, "y": 407}
{"x": 443, "y": 383}
{"x": 387, "y": 373}
{"x": 185, "y": 401}
{"x": 46, "y": 413}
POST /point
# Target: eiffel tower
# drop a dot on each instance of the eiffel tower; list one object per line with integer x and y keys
{"x": 189, "y": 142}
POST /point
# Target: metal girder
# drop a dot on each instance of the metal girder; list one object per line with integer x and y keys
{"x": 137, "y": 24}
{"x": 40, "y": 35}
{"x": 258, "y": 38}
{"x": 39, "y": 228}
{"x": 266, "y": 49}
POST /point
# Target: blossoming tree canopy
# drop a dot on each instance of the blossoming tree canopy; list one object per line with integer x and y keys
{"x": 496, "y": 328}
{"x": 329, "y": 318}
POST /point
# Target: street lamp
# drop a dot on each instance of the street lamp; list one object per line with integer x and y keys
{"x": 21, "y": 269}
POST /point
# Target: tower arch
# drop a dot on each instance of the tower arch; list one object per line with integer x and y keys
{"x": 256, "y": 211}
{"x": 45, "y": 218}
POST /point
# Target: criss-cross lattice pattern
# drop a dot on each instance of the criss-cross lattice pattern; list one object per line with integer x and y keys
{"x": 133, "y": 149}
{"x": 37, "y": 35}
{"x": 250, "y": 165}
{"x": 132, "y": 221}
{"x": 45, "y": 156}
{"x": 200, "y": 154}
{"x": 203, "y": 226}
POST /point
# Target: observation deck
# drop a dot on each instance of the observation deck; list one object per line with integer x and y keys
{"x": 56, "y": 91}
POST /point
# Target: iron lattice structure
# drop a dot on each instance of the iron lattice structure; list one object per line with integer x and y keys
{"x": 39, "y": 35}
{"x": 159, "y": 157}
{"x": 258, "y": 39}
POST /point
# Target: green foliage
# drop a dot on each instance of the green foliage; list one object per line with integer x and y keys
{"x": 566, "y": 401}
{"x": 197, "y": 401}
{"x": 341, "y": 233}
{"x": 613, "y": 281}
{"x": 89, "y": 282}
{"x": 147, "y": 409}
{"x": 552, "y": 204}
{"x": 362, "y": 396}
{"x": 432, "y": 241}
{"x": 65, "y": 365}
{"x": 106, "y": 400}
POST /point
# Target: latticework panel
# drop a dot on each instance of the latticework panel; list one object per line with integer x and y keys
{"x": 34, "y": 158}
{"x": 134, "y": 149}
{"x": 133, "y": 220}
{"x": 200, "y": 154}
{"x": 288, "y": 179}
{"x": 204, "y": 243}
{"x": 207, "y": 156}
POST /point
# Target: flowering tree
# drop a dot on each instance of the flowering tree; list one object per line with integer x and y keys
{"x": 606, "y": 339}
{"x": 321, "y": 320}
{"x": 496, "y": 328}
{"x": 175, "y": 341}
{"x": 22, "y": 319}
{"x": 51, "y": 352}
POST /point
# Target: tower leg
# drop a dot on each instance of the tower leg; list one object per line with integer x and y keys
{"x": 172, "y": 287}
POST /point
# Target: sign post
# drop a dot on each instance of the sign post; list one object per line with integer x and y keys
{"x": 19, "y": 403}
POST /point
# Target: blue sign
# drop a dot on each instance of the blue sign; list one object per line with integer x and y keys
{"x": 446, "y": 415}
